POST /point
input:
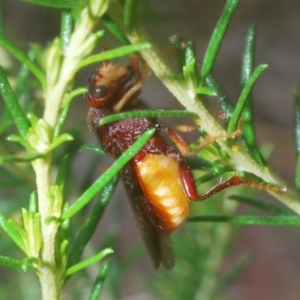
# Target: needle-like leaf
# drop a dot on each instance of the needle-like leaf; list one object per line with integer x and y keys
{"x": 107, "y": 176}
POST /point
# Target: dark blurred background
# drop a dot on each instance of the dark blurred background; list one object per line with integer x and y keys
{"x": 275, "y": 274}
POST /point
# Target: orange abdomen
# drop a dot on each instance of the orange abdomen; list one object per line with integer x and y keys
{"x": 160, "y": 180}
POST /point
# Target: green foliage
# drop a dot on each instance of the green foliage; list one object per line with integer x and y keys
{"x": 107, "y": 176}
{"x": 37, "y": 156}
{"x": 59, "y": 3}
{"x": 147, "y": 113}
{"x": 216, "y": 39}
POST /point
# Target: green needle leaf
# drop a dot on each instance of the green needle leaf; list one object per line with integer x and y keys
{"x": 115, "y": 29}
{"x": 250, "y": 220}
{"x": 203, "y": 90}
{"x": 91, "y": 223}
{"x": 69, "y": 96}
{"x": 27, "y": 157}
{"x": 129, "y": 6}
{"x": 263, "y": 205}
{"x": 24, "y": 59}
{"x": 247, "y": 69}
{"x": 62, "y": 172}
{"x": 217, "y": 38}
{"x": 98, "y": 284}
{"x": 222, "y": 97}
{"x": 92, "y": 148}
{"x": 61, "y": 120}
{"x": 58, "y": 3}
{"x": 248, "y": 56}
{"x": 17, "y": 234}
{"x": 66, "y": 30}
{"x": 111, "y": 54}
{"x": 13, "y": 105}
{"x": 88, "y": 262}
{"x": 233, "y": 122}
{"x": 107, "y": 176}
{"x": 149, "y": 113}
{"x": 65, "y": 137}
{"x": 15, "y": 263}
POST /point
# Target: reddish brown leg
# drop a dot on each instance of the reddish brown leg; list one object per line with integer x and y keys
{"x": 187, "y": 177}
{"x": 183, "y": 128}
{"x": 135, "y": 88}
{"x": 184, "y": 148}
{"x": 232, "y": 181}
{"x": 134, "y": 62}
{"x": 191, "y": 189}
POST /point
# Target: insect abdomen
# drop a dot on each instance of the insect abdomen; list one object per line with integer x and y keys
{"x": 160, "y": 181}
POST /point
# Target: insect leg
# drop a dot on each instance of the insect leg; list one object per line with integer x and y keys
{"x": 134, "y": 90}
{"x": 187, "y": 176}
{"x": 189, "y": 184}
{"x": 191, "y": 189}
{"x": 184, "y": 148}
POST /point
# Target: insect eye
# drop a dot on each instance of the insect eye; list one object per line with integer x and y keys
{"x": 98, "y": 91}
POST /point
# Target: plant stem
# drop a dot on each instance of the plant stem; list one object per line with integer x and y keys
{"x": 46, "y": 271}
{"x": 81, "y": 43}
{"x": 239, "y": 158}
{"x": 61, "y": 69}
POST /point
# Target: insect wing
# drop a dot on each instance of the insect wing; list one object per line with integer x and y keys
{"x": 155, "y": 237}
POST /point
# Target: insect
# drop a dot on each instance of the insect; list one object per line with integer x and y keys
{"x": 158, "y": 181}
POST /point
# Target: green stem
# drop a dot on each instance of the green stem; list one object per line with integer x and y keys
{"x": 239, "y": 158}
{"x": 81, "y": 43}
{"x": 46, "y": 271}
